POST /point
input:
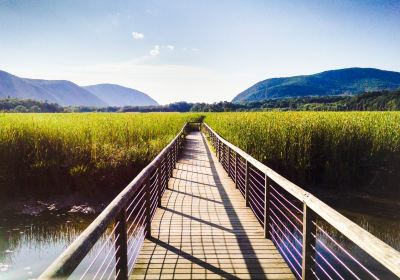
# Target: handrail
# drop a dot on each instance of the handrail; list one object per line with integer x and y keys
{"x": 380, "y": 251}
{"x": 67, "y": 262}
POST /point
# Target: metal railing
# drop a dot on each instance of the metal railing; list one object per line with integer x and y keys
{"x": 119, "y": 231}
{"x": 302, "y": 226}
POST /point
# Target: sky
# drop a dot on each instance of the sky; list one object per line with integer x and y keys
{"x": 195, "y": 51}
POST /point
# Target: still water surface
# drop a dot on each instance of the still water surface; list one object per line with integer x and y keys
{"x": 28, "y": 244}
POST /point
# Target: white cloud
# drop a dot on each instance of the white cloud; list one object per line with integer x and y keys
{"x": 155, "y": 51}
{"x": 170, "y": 47}
{"x": 185, "y": 49}
{"x": 137, "y": 35}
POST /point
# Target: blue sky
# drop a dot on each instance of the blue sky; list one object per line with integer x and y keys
{"x": 194, "y": 50}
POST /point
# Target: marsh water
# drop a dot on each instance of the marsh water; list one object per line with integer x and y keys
{"x": 28, "y": 244}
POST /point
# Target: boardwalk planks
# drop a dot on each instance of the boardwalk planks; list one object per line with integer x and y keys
{"x": 203, "y": 229}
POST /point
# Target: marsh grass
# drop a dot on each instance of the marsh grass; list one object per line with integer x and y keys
{"x": 94, "y": 152}
{"x": 336, "y": 150}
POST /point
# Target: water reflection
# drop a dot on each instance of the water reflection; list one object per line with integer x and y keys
{"x": 334, "y": 256}
{"x": 29, "y": 244}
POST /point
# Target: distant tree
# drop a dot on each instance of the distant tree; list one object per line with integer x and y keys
{"x": 35, "y": 109}
{"x": 20, "y": 109}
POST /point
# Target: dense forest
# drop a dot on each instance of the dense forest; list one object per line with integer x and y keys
{"x": 370, "y": 101}
{"x": 28, "y": 106}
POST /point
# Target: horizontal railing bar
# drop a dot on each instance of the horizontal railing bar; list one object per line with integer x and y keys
{"x": 139, "y": 194}
{"x": 100, "y": 250}
{"x": 288, "y": 240}
{"x": 287, "y": 229}
{"x": 255, "y": 214}
{"x": 284, "y": 215}
{"x": 376, "y": 248}
{"x": 343, "y": 250}
{"x": 254, "y": 199}
{"x": 287, "y": 200}
{"x": 337, "y": 259}
{"x": 322, "y": 269}
{"x": 112, "y": 270}
{"x": 284, "y": 254}
{"x": 286, "y": 208}
{"x": 328, "y": 263}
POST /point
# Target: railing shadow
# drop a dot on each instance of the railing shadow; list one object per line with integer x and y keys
{"x": 244, "y": 241}
{"x": 192, "y": 258}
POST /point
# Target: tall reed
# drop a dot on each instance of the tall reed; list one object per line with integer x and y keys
{"x": 64, "y": 153}
{"x": 346, "y": 150}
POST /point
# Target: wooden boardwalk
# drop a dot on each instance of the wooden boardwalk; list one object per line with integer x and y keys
{"x": 203, "y": 230}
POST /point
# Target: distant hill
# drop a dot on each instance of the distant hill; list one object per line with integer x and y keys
{"x": 348, "y": 81}
{"x": 64, "y": 93}
{"x": 115, "y": 95}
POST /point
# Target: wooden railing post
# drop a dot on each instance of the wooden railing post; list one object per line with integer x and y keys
{"x": 309, "y": 228}
{"x": 171, "y": 158}
{"x": 148, "y": 208}
{"x": 159, "y": 183}
{"x": 246, "y": 185}
{"x": 121, "y": 245}
{"x": 236, "y": 169}
{"x": 176, "y": 153}
{"x": 219, "y": 150}
{"x": 174, "y": 156}
{"x": 266, "y": 208}
{"x": 229, "y": 161}
{"x": 169, "y": 163}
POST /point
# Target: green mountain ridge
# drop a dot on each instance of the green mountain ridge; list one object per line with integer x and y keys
{"x": 349, "y": 81}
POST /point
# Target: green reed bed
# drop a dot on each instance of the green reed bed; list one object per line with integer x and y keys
{"x": 64, "y": 153}
{"x": 346, "y": 150}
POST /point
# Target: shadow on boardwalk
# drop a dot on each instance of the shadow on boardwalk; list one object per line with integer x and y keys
{"x": 203, "y": 229}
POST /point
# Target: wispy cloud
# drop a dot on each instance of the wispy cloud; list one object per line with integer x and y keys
{"x": 155, "y": 50}
{"x": 137, "y": 35}
{"x": 185, "y": 49}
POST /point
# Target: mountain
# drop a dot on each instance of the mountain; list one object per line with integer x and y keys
{"x": 115, "y": 95}
{"x": 348, "y": 81}
{"x": 64, "y": 93}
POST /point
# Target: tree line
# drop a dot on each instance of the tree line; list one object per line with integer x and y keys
{"x": 370, "y": 101}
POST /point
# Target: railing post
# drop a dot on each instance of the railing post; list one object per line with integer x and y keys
{"x": 229, "y": 161}
{"x": 213, "y": 138}
{"x": 148, "y": 208}
{"x": 168, "y": 172}
{"x": 266, "y": 208}
{"x": 176, "y": 152}
{"x": 309, "y": 228}
{"x": 236, "y": 169}
{"x": 174, "y": 155}
{"x": 219, "y": 150}
{"x": 246, "y": 185}
{"x": 166, "y": 168}
{"x": 171, "y": 156}
{"x": 159, "y": 183}
{"x": 121, "y": 246}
